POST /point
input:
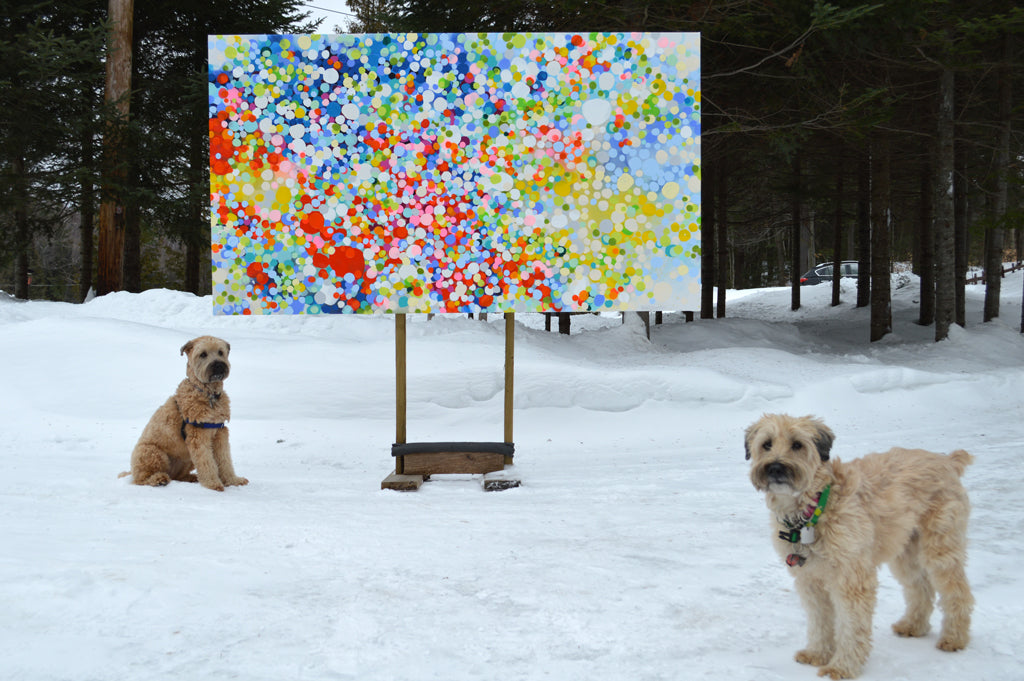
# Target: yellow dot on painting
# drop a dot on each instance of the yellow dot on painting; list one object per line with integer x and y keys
{"x": 625, "y": 183}
{"x": 283, "y": 197}
{"x": 304, "y": 42}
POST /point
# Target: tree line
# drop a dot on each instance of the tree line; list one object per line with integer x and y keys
{"x": 54, "y": 171}
{"x": 832, "y": 131}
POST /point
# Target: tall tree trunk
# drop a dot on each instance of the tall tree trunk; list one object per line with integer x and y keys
{"x": 88, "y": 218}
{"x": 960, "y": 232}
{"x": 881, "y": 282}
{"x": 22, "y": 230}
{"x": 112, "y": 214}
{"x": 994, "y": 259}
{"x": 945, "y": 246}
{"x": 864, "y": 230}
{"x": 927, "y": 247}
{"x": 132, "y": 268}
{"x": 837, "y": 237}
{"x": 132, "y": 247}
{"x": 707, "y": 247}
{"x": 722, "y": 241}
{"x": 795, "y": 233}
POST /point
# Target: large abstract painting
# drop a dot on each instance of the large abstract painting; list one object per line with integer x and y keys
{"x": 455, "y": 172}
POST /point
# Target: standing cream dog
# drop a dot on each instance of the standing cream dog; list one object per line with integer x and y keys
{"x": 189, "y": 431}
{"x": 834, "y": 523}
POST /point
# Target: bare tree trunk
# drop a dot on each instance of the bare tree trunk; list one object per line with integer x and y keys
{"x": 960, "y": 233}
{"x": 132, "y": 268}
{"x": 994, "y": 259}
{"x": 864, "y": 231}
{"x": 945, "y": 246}
{"x": 132, "y": 248}
{"x": 881, "y": 282}
{"x": 837, "y": 237}
{"x": 112, "y": 214}
{"x": 88, "y": 218}
{"x": 22, "y": 232}
{"x": 927, "y": 247}
{"x": 707, "y": 249}
{"x": 722, "y": 225}
{"x": 795, "y": 233}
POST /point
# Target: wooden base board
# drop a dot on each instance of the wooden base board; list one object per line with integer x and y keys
{"x": 402, "y": 483}
{"x": 452, "y": 462}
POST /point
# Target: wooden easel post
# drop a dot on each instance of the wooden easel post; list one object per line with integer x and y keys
{"x": 400, "y": 388}
{"x": 510, "y": 342}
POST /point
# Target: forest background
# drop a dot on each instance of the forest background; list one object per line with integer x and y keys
{"x": 881, "y": 133}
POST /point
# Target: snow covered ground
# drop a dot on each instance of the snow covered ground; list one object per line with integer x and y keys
{"x": 636, "y": 548}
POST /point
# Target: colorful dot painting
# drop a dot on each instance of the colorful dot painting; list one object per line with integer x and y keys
{"x": 526, "y": 172}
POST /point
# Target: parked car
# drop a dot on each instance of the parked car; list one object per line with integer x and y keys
{"x": 823, "y": 272}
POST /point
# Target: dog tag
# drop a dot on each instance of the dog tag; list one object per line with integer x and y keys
{"x": 807, "y": 534}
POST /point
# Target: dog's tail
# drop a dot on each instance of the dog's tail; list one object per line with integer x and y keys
{"x": 123, "y": 474}
{"x": 961, "y": 460}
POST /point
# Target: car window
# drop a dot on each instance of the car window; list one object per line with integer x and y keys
{"x": 825, "y": 271}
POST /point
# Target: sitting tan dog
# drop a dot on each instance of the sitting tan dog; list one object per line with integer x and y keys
{"x": 834, "y": 523}
{"x": 189, "y": 431}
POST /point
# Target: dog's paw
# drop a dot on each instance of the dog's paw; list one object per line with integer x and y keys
{"x": 157, "y": 480}
{"x": 834, "y": 672}
{"x": 812, "y": 657}
{"x": 215, "y": 485}
{"x": 910, "y": 629}
{"x": 237, "y": 480}
{"x": 951, "y": 644}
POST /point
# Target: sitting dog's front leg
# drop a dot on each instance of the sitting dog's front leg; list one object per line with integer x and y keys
{"x": 200, "y": 449}
{"x": 222, "y": 457}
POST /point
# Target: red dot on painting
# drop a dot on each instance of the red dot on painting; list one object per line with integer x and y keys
{"x": 347, "y": 260}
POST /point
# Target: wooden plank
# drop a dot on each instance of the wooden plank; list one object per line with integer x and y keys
{"x": 400, "y": 387}
{"x": 510, "y": 344}
{"x": 400, "y": 378}
{"x": 453, "y": 463}
{"x": 402, "y": 483}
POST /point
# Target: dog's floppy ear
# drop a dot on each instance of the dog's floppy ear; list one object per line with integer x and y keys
{"x": 187, "y": 347}
{"x": 746, "y": 440}
{"x": 823, "y": 440}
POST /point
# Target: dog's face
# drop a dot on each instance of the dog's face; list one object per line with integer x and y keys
{"x": 207, "y": 359}
{"x": 785, "y": 451}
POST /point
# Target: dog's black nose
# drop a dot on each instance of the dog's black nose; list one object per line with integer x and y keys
{"x": 218, "y": 368}
{"x": 776, "y": 470}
